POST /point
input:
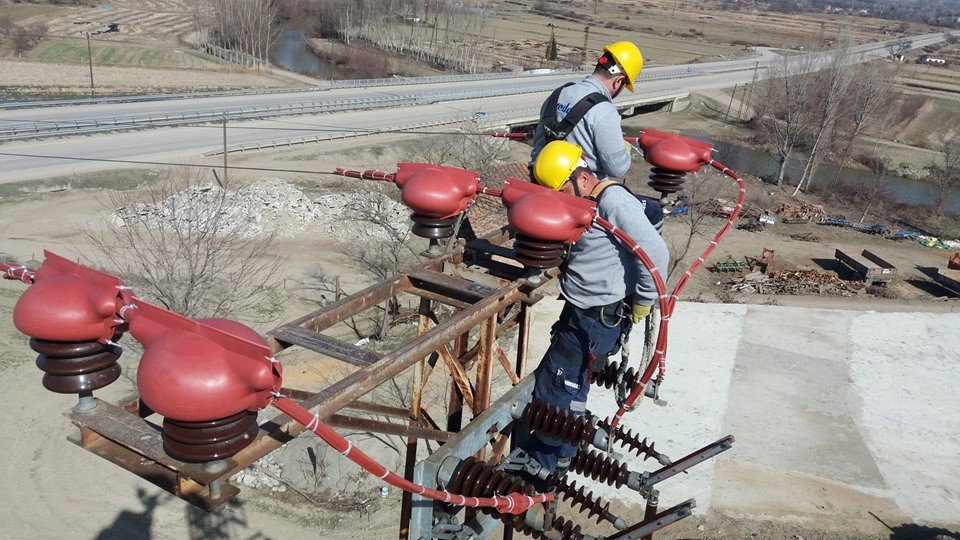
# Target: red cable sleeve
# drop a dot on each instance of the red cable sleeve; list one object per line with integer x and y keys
{"x": 512, "y": 503}
{"x": 512, "y": 135}
{"x": 17, "y": 272}
{"x": 368, "y": 174}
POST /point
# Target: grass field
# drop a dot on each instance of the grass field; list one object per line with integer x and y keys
{"x": 105, "y": 53}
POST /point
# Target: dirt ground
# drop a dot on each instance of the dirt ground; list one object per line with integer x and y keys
{"x": 33, "y": 218}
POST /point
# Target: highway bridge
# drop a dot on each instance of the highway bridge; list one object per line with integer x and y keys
{"x": 82, "y": 136}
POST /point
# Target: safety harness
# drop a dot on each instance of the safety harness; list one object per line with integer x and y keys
{"x": 557, "y": 130}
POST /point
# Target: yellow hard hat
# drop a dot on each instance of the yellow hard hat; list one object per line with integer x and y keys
{"x": 556, "y": 162}
{"x": 629, "y": 59}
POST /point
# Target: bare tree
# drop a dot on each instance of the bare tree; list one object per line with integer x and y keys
{"x": 869, "y": 93}
{"x": 248, "y": 26}
{"x": 833, "y": 85}
{"x": 701, "y": 188}
{"x": 944, "y": 172}
{"x": 877, "y": 188}
{"x": 899, "y": 47}
{"x": 473, "y": 150}
{"x": 785, "y": 103}
{"x": 181, "y": 243}
{"x": 374, "y": 260}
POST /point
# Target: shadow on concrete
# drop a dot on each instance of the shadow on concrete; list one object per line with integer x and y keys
{"x": 130, "y": 524}
{"x": 912, "y": 531}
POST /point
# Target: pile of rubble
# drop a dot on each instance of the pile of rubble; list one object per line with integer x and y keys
{"x": 271, "y": 206}
{"x": 264, "y": 474}
{"x": 796, "y": 282}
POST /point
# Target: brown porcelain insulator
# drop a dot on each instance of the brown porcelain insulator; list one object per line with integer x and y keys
{"x": 430, "y": 227}
{"x": 608, "y": 379}
{"x": 666, "y": 181}
{"x": 550, "y": 421}
{"x": 599, "y": 467}
{"x": 75, "y": 367}
{"x": 534, "y": 253}
{"x": 561, "y": 529}
{"x": 640, "y": 447}
{"x": 474, "y": 478}
{"x": 211, "y": 440}
{"x": 581, "y": 499}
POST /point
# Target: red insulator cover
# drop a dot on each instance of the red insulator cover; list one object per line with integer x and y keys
{"x": 546, "y": 214}
{"x": 201, "y": 370}
{"x": 69, "y": 302}
{"x": 436, "y": 191}
{"x": 673, "y": 152}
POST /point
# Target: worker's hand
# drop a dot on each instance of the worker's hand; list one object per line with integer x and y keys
{"x": 640, "y": 312}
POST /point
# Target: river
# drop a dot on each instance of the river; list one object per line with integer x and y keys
{"x": 290, "y": 53}
{"x": 902, "y": 190}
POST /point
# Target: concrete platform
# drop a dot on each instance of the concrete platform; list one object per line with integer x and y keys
{"x": 836, "y": 414}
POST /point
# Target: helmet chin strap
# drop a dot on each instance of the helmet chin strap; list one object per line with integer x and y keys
{"x": 617, "y": 92}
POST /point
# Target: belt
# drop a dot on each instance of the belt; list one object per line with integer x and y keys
{"x": 599, "y": 312}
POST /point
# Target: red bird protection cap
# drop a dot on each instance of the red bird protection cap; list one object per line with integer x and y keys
{"x": 545, "y": 214}
{"x": 69, "y": 302}
{"x": 196, "y": 371}
{"x": 673, "y": 152}
{"x": 436, "y": 191}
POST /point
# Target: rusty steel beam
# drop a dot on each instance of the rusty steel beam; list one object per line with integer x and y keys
{"x": 387, "y": 428}
{"x": 347, "y": 307}
{"x": 459, "y": 375}
{"x": 281, "y": 429}
{"x": 488, "y": 333}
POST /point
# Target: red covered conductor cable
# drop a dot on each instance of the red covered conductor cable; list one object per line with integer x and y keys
{"x": 17, "y": 272}
{"x": 668, "y": 302}
{"x": 510, "y": 503}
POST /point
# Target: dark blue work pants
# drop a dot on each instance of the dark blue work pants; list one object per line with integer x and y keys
{"x": 561, "y": 377}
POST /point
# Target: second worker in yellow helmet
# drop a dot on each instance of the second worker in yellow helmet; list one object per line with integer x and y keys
{"x": 605, "y": 288}
{"x": 583, "y": 113}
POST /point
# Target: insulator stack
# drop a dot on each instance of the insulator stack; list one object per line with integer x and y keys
{"x": 607, "y": 377}
{"x": 534, "y": 253}
{"x": 666, "y": 181}
{"x": 431, "y": 227}
{"x": 567, "y": 530}
{"x": 583, "y": 500}
{"x": 561, "y": 529}
{"x": 76, "y": 367}
{"x": 474, "y": 478}
{"x": 208, "y": 441}
{"x": 640, "y": 447}
{"x": 599, "y": 467}
{"x": 549, "y": 421}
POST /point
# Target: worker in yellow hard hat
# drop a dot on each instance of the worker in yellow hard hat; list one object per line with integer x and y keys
{"x": 584, "y": 113}
{"x": 605, "y": 287}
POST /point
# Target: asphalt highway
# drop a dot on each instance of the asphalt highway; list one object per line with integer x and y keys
{"x": 44, "y": 158}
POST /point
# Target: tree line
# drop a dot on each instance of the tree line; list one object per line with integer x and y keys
{"x": 810, "y": 106}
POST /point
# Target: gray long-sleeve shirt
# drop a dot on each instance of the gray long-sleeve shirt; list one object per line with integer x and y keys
{"x": 599, "y": 133}
{"x": 600, "y": 270}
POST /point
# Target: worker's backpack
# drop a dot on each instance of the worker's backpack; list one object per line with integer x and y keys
{"x": 557, "y": 130}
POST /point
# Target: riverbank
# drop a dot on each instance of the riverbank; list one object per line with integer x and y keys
{"x": 366, "y": 62}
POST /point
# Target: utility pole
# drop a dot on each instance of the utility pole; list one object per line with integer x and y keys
{"x": 756, "y": 70}
{"x": 224, "y": 147}
{"x": 726, "y": 117}
{"x": 586, "y": 38}
{"x": 90, "y": 61}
